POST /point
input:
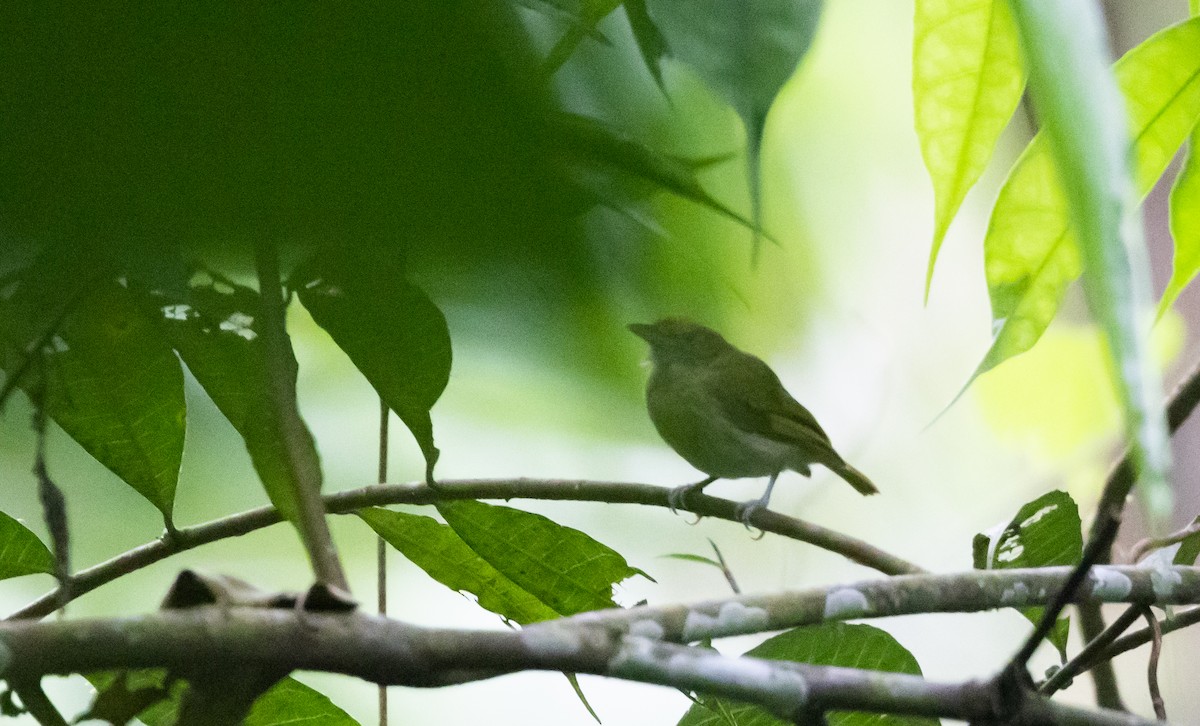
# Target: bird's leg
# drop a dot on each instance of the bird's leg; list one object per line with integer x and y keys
{"x": 745, "y": 510}
{"x": 677, "y": 497}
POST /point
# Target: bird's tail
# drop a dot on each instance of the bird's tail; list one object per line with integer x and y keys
{"x": 856, "y": 479}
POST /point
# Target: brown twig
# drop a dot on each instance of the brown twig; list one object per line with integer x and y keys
{"x": 1097, "y": 645}
{"x": 1160, "y": 710}
{"x": 381, "y": 547}
{"x": 1141, "y": 549}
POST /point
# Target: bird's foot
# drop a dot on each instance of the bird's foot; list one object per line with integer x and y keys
{"x": 746, "y": 511}
{"x": 677, "y": 497}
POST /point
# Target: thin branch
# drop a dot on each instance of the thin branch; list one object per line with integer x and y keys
{"x": 1139, "y": 638}
{"x": 36, "y": 702}
{"x": 1141, "y": 549}
{"x": 1160, "y": 710}
{"x": 216, "y": 639}
{"x": 1104, "y": 678}
{"x": 381, "y": 547}
{"x": 1104, "y": 529}
{"x": 569, "y": 490}
{"x": 1079, "y": 663}
{"x": 304, "y": 471}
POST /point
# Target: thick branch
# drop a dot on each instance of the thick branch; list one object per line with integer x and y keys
{"x": 199, "y": 642}
{"x": 573, "y": 490}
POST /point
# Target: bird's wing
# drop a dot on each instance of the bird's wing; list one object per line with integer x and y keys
{"x": 754, "y": 399}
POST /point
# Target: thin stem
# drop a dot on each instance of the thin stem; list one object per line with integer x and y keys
{"x": 570, "y": 490}
{"x": 37, "y": 703}
{"x": 381, "y": 547}
{"x": 1141, "y": 549}
{"x": 1078, "y": 664}
{"x": 1104, "y": 678}
{"x": 1160, "y": 710}
{"x": 304, "y": 470}
{"x": 1139, "y": 638}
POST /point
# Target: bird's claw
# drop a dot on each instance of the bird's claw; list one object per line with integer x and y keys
{"x": 746, "y": 511}
{"x": 677, "y": 497}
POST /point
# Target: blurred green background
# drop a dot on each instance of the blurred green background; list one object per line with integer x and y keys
{"x": 546, "y": 381}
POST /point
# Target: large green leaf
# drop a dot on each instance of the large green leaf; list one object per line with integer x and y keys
{"x": 1086, "y": 130}
{"x": 967, "y": 81}
{"x": 1043, "y": 533}
{"x": 562, "y": 567}
{"x": 832, "y": 644}
{"x": 21, "y": 552}
{"x": 388, "y": 327}
{"x": 108, "y": 377}
{"x": 436, "y": 549}
{"x": 745, "y": 52}
{"x": 154, "y": 700}
{"x": 1030, "y": 251}
{"x": 1185, "y": 215}
{"x": 215, "y": 329}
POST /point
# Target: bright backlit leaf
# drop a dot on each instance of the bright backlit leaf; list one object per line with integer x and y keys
{"x": 967, "y": 81}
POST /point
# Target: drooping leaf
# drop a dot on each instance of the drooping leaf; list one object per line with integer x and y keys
{"x": 745, "y": 52}
{"x": 967, "y": 81}
{"x": 650, "y": 41}
{"x": 436, "y": 549}
{"x": 108, "y": 377}
{"x": 1087, "y": 136}
{"x": 392, "y": 332}
{"x": 215, "y": 329}
{"x": 562, "y": 567}
{"x": 597, "y": 144}
{"x": 1030, "y": 250}
{"x": 121, "y": 696}
{"x": 1043, "y": 533}
{"x": 833, "y": 644}
{"x": 21, "y": 552}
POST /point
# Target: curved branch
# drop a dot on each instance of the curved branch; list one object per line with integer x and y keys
{"x": 200, "y": 641}
{"x": 572, "y": 490}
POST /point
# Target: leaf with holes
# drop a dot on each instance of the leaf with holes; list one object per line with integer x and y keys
{"x": 1044, "y": 533}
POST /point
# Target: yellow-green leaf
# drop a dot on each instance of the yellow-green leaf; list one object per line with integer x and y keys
{"x": 1030, "y": 251}
{"x": 967, "y": 81}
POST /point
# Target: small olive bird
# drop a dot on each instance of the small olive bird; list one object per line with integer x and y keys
{"x": 727, "y": 414}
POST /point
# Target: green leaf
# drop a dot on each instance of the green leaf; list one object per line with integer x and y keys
{"x": 21, "y": 552}
{"x": 436, "y": 549}
{"x": 745, "y": 52}
{"x": 695, "y": 558}
{"x": 597, "y": 144}
{"x": 1189, "y": 549}
{"x": 1185, "y": 218}
{"x": 833, "y": 644}
{"x": 650, "y": 41}
{"x": 215, "y": 329}
{"x": 562, "y": 567}
{"x": 392, "y": 332}
{"x": 589, "y": 13}
{"x": 1185, "y": 226}
{"x": 1043, "y": 533}
{"x": 150, "y": 696}
{"x": 1030, "y": 251}
{"x": 110, "y": 381}
{"x": 967, "y": 81}
{"x": 290, "y": 702}
{"x": 1084, "y": 122}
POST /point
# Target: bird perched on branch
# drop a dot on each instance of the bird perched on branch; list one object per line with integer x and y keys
{"x": 727, "y": 414}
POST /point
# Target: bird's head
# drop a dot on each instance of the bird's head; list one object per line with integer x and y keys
{"x": 679, "y": 340}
